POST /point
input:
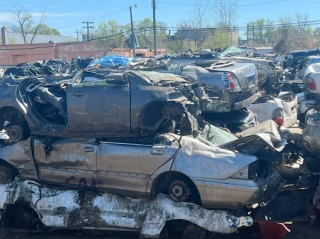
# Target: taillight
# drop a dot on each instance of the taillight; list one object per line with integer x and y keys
{"x": 278, "y": 121}
{"x": 231, "y": 83}
{"x": 312, "y": 84}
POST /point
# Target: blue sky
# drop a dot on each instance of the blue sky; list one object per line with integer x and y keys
{"x": 68, "y": 15}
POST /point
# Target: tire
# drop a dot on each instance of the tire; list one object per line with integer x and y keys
{"x": 194, "y": 232}
{"x": 16, "y": 132}
{"x": 7, "y": 174}
{"x": 179, "y": 191}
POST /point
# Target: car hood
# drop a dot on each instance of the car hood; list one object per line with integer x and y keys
{"x": 258, "y": 138}
{"x": 200, "y": 160}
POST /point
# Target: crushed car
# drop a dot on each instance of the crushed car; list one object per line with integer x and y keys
{"x": 97, "y": 103}
{"x": 58, "y": 208}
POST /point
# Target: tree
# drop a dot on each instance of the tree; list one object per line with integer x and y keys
{"x": 225, "y": 13}
{"x": 200, "y": 13}
{"x": 25, "y": 22}
{"x": 46, "y": 30}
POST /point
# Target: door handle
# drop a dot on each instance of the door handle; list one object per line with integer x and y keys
{"x": 78, "y": 94}
{"x": 88, "y": 149}
{"x": 157, "y": 152}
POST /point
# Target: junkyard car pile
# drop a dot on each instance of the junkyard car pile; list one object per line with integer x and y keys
{"x": 140, "y": 145}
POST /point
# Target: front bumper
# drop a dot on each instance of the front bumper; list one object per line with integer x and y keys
{"x": 234, "y": 193}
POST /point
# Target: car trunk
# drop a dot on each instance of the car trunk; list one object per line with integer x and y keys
{"x": 245, "y": 72}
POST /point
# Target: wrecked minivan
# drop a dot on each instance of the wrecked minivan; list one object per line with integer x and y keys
{"x": 97, "y": 103}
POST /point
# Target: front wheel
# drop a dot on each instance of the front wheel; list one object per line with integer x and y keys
{"x": 179, "y": 191}
{"x": 16, "y": 132}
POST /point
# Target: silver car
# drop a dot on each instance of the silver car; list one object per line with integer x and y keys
{"x": 188, "y": 169}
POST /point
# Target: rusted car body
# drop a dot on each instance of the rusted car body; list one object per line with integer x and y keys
{"x": 181, "y": 166}
{"x": 97, "y": 103}
{"x": 78, "y": 209}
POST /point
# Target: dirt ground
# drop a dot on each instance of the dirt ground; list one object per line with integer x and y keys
{"x": 299, "y": 230}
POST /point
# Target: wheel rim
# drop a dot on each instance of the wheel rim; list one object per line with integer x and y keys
{"x": 15, "y": 132}
{"x": 177, "y": 191}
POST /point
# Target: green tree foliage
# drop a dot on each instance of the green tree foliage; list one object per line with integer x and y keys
{"x": 46, "y": 30}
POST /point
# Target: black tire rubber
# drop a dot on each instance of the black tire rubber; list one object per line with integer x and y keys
{"x": 194, "y": 232}
{"x": 16, "y": 132}
{"x": 179, "y": 191}
{"x": 7, "y": 174}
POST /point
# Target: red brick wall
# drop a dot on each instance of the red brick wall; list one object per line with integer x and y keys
{"x": 14, "y": 54}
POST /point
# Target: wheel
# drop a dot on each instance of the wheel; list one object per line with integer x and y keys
{"x": 7, "y": 174}
{"x": 15, "y": 132}
{"x": 179, "y": 191}
{"x": 194, "y": 232}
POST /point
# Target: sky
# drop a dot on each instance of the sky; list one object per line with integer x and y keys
{"x": 67, "y": 15}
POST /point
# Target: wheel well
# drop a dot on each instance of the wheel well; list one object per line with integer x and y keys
{"x": 12, "y": 114}
{"x": 161, "y": 184}
{"x": 20, "y": 215}
{"x": 5, "y": 163}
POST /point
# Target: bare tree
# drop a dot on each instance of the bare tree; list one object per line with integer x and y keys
{"x": 302, "y": 21}
{"x": 225, "y": 13}
{"x": 200, "y": 13}
{"x": 25, "y": 22}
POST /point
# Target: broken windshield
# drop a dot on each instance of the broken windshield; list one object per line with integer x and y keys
{"x": 231, "y": 51}
{"x": 216, "y": 136}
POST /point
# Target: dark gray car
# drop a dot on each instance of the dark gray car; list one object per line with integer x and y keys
{"x": 97, "y": 103}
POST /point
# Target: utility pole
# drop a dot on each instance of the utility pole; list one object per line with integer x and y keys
{"x": 77, "y": 31}
{"x": 154, "y": 27}
{"x": 88, "y": 27}
{"x": 247, "y": 34}
{"x": 133, "y": 39}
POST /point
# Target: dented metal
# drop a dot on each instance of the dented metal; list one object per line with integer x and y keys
{"x": 79, "y": 209}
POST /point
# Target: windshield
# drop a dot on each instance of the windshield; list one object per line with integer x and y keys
{"x": 233, "y": 50}
{"x": 215, "y": 136}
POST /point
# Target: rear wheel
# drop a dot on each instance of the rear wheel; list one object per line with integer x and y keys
{"x": 7, "y": 174}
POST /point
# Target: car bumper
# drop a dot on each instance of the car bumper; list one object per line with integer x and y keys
{"x": 246, "y": 102}
{"x": 214, "y": 104}
{"x": 311, "y": 138}
{"x": 233, "y": 193}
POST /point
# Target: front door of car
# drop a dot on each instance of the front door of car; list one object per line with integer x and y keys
{"x": 98, "y": 108}
{"x": 126, "y": 168}
{"x": 67, "y": 162}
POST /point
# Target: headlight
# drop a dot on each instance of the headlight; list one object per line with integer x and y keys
{"x": 290, "y": 56}
{"x": 242, "y": 174}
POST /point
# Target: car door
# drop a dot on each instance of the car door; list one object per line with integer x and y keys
{"x": 67, "y": 162}
{"x": 99, "y": 105}
{"x": 126, "y": 168}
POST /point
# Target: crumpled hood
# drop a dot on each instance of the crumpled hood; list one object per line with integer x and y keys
{"x": 252, "y": 140}
{"x": 203, "y": 161}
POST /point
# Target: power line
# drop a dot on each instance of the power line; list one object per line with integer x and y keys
{"x": 121, "y": 10}
{"x": 239, "y": 5}
{"x": 150, "y": 28}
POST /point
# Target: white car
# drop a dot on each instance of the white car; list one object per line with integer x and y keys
{"x": 282, "y": 109}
